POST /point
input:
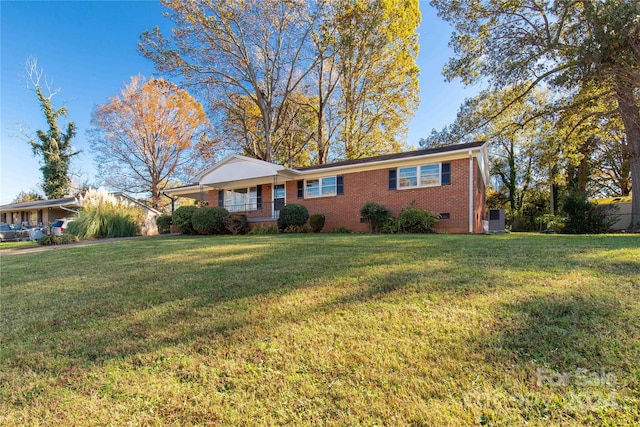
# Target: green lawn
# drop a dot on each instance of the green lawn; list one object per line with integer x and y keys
{"x": 12, "y": 246}
{"x": 327, "y": 329}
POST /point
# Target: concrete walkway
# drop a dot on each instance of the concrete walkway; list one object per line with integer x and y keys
{"x": 73, "y": 245}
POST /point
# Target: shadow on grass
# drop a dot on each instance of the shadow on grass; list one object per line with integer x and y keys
{"x": 568, "y": 331}
{"x": 143, "y": 296}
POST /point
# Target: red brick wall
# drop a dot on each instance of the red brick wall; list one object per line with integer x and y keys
{"x": 362, "y": 187}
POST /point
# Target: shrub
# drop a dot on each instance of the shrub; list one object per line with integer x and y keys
{"x": 414, "y": 220}
{"x": 297, "y": 229}
{"x": 267, "y": 229}
{"x": 237, "y": 224}
{"x": 390, "y": 227}
{"x": 57, "y": 240}
{"x": 292, "y": 215}
{"x": 582, "y": 216}
{"x": 163, "y": 222}
{"x": 376, "y": 215}
{"x": 104, "y": 216}
{"x": 181, "y": 218}
{"x": 550, "y": 223}
{"x": 316, "y": 222}
{"x": 210, "y": 220}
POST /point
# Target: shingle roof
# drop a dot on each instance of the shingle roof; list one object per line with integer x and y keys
{"x": 37, "y": 204}
{"x": 394, "y": 156}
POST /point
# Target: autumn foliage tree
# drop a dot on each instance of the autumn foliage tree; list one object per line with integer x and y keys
{"x": 269, "y": 65}
{"x": 147, "y": 136}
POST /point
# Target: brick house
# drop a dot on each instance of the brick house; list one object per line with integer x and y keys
{"x": 448, "y": 181}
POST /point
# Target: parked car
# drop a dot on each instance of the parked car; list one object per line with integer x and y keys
{"x": 8, "y": 232}
{"x": 60, "y": 226}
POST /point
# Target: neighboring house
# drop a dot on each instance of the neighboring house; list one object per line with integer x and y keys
{"x": 38, "y": 212}
{"x": 45, "y": 212}
{"x": 448, "y": 181}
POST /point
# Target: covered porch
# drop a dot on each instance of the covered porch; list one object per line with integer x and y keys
{"x": 241, "y": 185}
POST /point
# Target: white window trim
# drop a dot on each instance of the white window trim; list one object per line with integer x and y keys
{"x": 309, "y": 196}
{"x": 419, "y": 177}
{"x": 248, "y": 206}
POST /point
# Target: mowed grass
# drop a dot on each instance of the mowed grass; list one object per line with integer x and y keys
{"x": 324, "y": 330}
{"x": 12, "y": 246}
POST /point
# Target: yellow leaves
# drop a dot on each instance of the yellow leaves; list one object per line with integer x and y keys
{"x": 153, "y": 109}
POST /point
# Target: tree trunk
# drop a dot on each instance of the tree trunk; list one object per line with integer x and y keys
{"x": 630, "y": 115}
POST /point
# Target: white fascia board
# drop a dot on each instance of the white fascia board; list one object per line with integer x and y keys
{"x": 241, "y": 168}
{"x": 182, "y": 191}
{"x": 404, "y": 161}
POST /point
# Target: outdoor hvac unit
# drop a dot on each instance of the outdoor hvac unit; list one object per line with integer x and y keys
{"x": 496, "y": 220}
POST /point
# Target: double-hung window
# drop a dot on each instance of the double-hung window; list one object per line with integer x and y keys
{"x": 241, "y": 199}
{"x": 320, "y": 187}
{"x": 423, "y": 176}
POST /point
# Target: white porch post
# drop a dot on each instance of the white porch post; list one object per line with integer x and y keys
{"x": 471, "y": 218}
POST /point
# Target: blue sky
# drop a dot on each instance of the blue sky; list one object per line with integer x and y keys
{"x": 88, "y": 50}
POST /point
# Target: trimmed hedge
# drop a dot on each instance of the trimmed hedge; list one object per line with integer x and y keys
{"x": 316, "y": 222}
{"x": 416, "y": 221}
{"x": 376, "y": 215}
{"x": 182, "y": 219}
{"x": 292, "y": 215}
{"x": 210, "y": 220}
{"x": 163, "y": 222}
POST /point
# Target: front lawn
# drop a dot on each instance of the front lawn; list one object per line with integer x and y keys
{"x": 325, "y": 329}
{"x": 12, "y": 246}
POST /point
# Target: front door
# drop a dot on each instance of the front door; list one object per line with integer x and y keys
{"x": 278, "y": 199}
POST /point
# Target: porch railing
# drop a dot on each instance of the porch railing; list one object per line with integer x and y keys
{"x": 265, "y": 210}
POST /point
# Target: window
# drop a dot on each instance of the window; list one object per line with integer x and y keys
{"x": 321, "y": 187}
{"x": 241, "y": 199}
{"x": 421, "y": 176}
{"x": 430, "y": 175}
{"x": 408, "y": 177}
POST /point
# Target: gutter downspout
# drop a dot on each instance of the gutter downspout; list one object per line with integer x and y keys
{"x": 172, "y": 200}
{"x": 68, "y": 209}
{"x": 471, "y": 192}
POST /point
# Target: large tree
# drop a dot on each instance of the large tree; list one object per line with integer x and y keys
{"x": 147, "y": 136}
{"x": 564, "y": 44}
{"x": 517, "y": 138}
{"x": 377, "y": 47}
{"x": 54, "y": 145}
{"x": 350, "y": 62}
{"x": 255, "y": 50}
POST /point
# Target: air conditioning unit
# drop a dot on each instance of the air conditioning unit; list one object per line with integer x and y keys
{"x": 496, "y": 220}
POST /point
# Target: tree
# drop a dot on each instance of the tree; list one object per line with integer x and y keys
{"x": 350, "y": 63}
{"x": 255, "y": 50}
{"x": 517, "y": 140}
{"x": 563, "y": 44}
{"x": 377, "y": 46}
{"x": 54, "y": 145}
{"x": 24, "y": 196}
{"x": 147, "y": 136}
